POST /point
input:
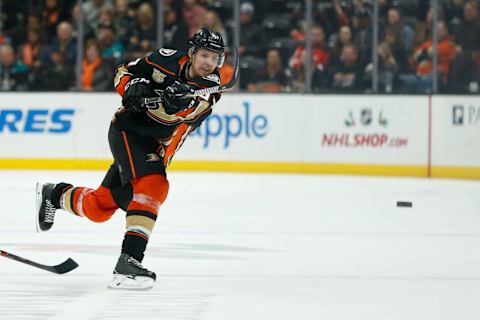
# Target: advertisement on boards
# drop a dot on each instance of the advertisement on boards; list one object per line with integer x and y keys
{"x": 252, "y": 128}
{"x": 383, "y": 130}
{"x": 456, "y": 131}
{"x": 243, "y": 127}
{"x": 59, "y": 125}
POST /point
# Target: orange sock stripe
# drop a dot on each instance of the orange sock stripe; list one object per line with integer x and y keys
{"x": 130, "y": 233}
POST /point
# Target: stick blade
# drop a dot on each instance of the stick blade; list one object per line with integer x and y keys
{"x": 64, "y": 267}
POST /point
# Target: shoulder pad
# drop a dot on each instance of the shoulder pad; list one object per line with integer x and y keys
{"x": 167, "y": 52}
{"x": 165, "y": 58}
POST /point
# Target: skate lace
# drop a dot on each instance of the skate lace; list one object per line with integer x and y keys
{"x": 49, "y": 211}
{"x": 136, "y": 263}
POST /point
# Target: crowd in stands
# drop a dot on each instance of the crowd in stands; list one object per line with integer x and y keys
{"x": 38, "y": 43}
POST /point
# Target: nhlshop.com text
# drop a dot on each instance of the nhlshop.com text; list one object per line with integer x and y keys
{"x": 363, "y": 140}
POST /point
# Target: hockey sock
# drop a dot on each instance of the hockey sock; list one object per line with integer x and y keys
{"x": 134, "y": 245}
{"x": 139, "y": 229}
{"x": 57, "y": 192}
{"x": 149, "y": 192}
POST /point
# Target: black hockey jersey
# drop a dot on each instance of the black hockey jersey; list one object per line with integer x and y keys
{"x": 161, "y": 68}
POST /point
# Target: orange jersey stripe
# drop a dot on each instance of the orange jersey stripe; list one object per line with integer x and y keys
{"x": 176, "y": 139}
{"x": 125, "y": 140}
{"x": 159, "y": 67}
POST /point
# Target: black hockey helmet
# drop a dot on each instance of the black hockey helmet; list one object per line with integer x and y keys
{"x": 210, "y": 40}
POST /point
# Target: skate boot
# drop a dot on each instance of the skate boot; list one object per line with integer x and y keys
{"x": 129, "y": 274}
{"x": 45, "y": 208}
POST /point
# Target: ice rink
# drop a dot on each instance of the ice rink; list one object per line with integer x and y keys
{"x": 245, "y": 246}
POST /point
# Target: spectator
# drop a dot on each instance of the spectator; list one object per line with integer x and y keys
{"x": 88, "y": 32}
{"x": 320, "y": 58}
{"x": 403, "y": 31}
{"x": 423, "y": 29}
{"x": 212, "y": 21}
{"x": 331, "y": 16}
{"x": 56, "y": 74}
{"x": 144, "y": 34}
{"x": 175, "y": 32}
{"x": 13, "y": 73}
{"x": 34, "y": 21}
{"x": 274, "y": 77}
{"x": 343, "y": 38}
{"x": 395, "y": 44}
{"x": 63, "y": 43}
{"x": 421, "y": 82}
{"x": 468, "y": 34}
{"x": 347, "y": 76}
{"x": 467, "y": 41}
{"x": 97, "y": 74}
{"x": 320, "y": 54}
{"x": 112, "y": 49}
{"x": 92, "y": 9}
{"x": 106, "y": 17}
{"x": 387, "y": 67}
{"x": 192, "y": 13}
{"x": 362, "y": 32}
{"x": 454, "y": 14}
{"x": 57, "y": 62}
{"x": 31, "y": 48}
{"x": 12, "y": 21}
{"x": 123, "y": 20}
{"x": 51, "y": 17}
{"x": 251, "y": 39}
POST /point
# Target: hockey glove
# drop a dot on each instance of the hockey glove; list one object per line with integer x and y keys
{"x": 135, "y": 90}
{"x": 175, "y": 97}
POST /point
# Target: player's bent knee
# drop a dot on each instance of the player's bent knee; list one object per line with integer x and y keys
{"x": 149, "y": 192}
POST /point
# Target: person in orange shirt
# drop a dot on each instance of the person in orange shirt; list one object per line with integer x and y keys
{"x": 422, "y": 61}
{"x": 31, "y": 49}
{"x": 97, "y": 74}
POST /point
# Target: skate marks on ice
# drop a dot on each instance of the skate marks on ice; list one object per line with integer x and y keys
{"x": 55, "y": 302}
{"x": 196, "y": 251}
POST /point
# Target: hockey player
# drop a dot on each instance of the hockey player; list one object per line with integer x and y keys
{"x": 143, "y": 139}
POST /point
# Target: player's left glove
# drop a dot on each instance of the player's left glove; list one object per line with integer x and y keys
{"x": 175, "y": 98}
{"x": 135, "y": 90}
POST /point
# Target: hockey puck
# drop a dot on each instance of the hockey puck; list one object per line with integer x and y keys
{"x": 406, "y": 204}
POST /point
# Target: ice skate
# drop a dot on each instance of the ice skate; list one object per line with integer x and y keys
{"x": 45, "y": 210}
{"x": 129, "y": 274}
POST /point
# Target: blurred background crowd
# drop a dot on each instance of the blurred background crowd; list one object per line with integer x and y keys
{"x": 39, "y": 42}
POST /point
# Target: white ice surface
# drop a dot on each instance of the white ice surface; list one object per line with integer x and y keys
{"x": 242, "y": 247}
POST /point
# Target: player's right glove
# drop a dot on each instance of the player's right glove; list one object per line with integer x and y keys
{"x": 175, "y": 97}
{"x": 135, "y": 90}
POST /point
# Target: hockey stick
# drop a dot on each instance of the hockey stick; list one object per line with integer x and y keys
{"x": 64, "y": 267}
{"x": 202, "y": 92}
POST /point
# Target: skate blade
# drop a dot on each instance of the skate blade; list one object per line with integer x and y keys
{"x": 123, "y": 282}
{"x": 38, "y": 199}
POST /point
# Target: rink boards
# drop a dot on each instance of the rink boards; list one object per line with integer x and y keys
{"x": 360, "y": 134}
